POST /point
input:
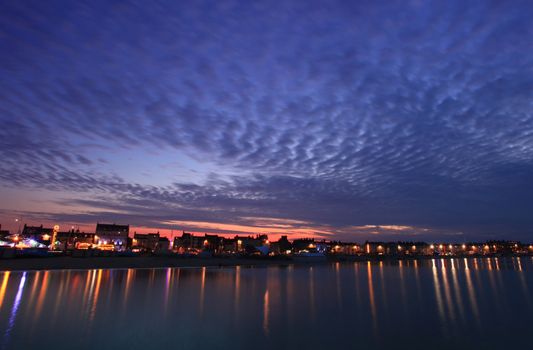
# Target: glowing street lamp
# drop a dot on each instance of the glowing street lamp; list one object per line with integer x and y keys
{"x": 19, "y": 220}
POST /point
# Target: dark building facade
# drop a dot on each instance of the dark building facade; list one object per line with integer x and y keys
{"x": 3, "y": 233}
{"x": 145, "y": 242}
{"x": 186, "y": 242}
{"x": 38, "y": 233}
{"x": 116, "y": 235}
{"x": 162, "y": 246}
{"x": 74, "y": 239}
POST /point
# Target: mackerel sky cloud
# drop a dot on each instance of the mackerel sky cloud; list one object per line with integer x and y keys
{"x": 340, "y": 119}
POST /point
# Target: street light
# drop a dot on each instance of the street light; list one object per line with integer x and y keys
{"x": 19, "y": 220}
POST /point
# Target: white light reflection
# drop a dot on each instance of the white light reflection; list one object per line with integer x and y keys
{"x": 14, "y": 309}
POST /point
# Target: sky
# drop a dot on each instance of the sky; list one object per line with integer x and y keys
{"x": 352, "y": 120}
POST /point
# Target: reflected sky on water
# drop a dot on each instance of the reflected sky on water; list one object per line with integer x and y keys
{"x": 473, "y": 303}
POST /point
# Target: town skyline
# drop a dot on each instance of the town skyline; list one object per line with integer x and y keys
{"x": 374, "y": 233}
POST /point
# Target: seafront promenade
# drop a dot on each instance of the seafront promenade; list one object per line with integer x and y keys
{"x": 174, "y": 260}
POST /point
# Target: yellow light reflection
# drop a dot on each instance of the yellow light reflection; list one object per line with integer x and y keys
{"x": 338, "y": 284}
{"x": 357, "y": 291}
{"x": 371, "y": 296}
{"x": 95, "y": 296}
{"x": 383, "y": 286}
{"x": 59, "y": 295}
{"x": 86, "y": 289}
{"x": 129, "y": 277}
{"x": 457, "y": 291}
{"x": 237, "y": 287}
{"x": 492, "y": 282}
{"x": 3, "y": 287}
{"x": 33, "y": 290}
{"x": 202, "y": 291}
{"x": 42, "y": 294}
{"x": 402, "y": 287}
{"x": 525, "y": 288}
{"x": 447, "y": 293}
{"x": 417, "y": 280}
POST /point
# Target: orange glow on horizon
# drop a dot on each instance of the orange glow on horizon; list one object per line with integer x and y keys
{"x": 230, "y": 230}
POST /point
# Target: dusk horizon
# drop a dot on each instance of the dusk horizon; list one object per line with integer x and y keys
{"x": 339, "y": 120}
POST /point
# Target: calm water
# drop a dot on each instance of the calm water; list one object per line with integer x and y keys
{"x": 476, "y": 303}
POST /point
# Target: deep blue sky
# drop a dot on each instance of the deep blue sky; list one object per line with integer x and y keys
{"x": 357, "y": 119}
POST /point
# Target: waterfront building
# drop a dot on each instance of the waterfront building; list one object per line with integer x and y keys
{"x": 230, "y": 246}
{"x": 145, "y": 242}
{"x": 213, "y": 243}
{"x": 413, "y": 248}
{"x": 251, "y": 244}
{"x": 302, "y": 244}
{"x": 112, "y": 235}
{"x": 284, "y": 245}
{"x": 380, "y": 248}
{"x": 162, "y": 246}
{"x": 187, "y": 242}
{"x": 74, "y": 239}
{"x": 40, "y": 234}
{"x": 342, "y": 248}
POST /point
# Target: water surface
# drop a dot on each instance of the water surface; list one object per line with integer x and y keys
{"x": 438, "y": 304}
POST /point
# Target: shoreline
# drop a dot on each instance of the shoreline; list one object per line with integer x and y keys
{"x": 149, "y": 262}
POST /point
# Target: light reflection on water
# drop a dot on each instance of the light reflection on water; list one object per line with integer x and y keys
{"x": 404, "y": 304}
